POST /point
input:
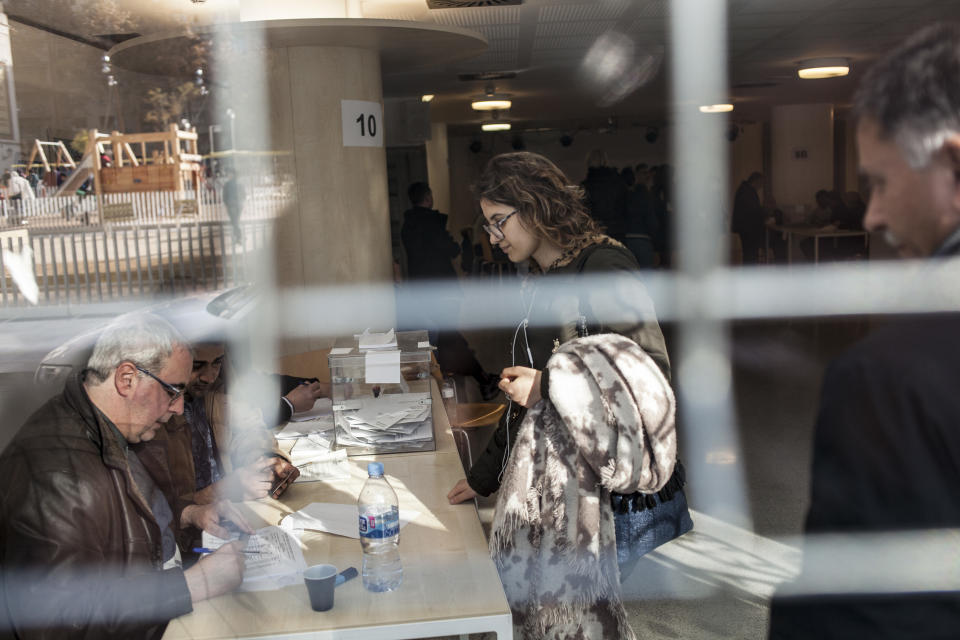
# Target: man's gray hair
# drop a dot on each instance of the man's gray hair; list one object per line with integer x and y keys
{"x": 913, "y": 93}
{"x": 142, "y": 338}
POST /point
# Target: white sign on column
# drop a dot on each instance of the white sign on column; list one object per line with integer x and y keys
{"x": 362, "y": 123}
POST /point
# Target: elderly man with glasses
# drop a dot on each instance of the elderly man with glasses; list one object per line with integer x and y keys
{"x": 87, "y": 538}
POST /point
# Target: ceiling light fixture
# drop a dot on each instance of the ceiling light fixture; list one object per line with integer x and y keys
{"x": 824, "y": 68}
{"x": 495, "y": 126}
{"x": 716, "y": 108}
{"x": 427, "y": 97}
{"x": 487, "y": 104}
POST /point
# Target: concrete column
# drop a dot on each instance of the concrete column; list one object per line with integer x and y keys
{"x": 9, "y": 125}
{"x": 802, "y": 152}
{"x": 339, "y": 231}
{"x": 438, "y": 167}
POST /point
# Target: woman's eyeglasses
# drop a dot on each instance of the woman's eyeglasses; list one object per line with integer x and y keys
{"x": 496, "y": 229}
{"x": 175, "y": 391}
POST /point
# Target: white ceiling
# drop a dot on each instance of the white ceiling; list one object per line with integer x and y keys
{"x": 545, "y": 41}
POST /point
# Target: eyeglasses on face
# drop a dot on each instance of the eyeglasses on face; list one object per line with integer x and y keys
{"x": 496, "y": 229}
{"x": 175, "y": 391}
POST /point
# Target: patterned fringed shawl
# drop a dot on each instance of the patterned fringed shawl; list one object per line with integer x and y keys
{"x": 608, "y": 425}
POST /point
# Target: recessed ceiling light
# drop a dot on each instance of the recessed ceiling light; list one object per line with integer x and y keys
{"x": 716, "y": 108}
{"x": 490, "y": 104}
{"x": 495, "y": 126}
{"x": 824, "y": 68}
{"x": 427, "y": 97}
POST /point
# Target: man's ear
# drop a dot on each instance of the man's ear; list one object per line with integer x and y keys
{"x": 125, "y": 379}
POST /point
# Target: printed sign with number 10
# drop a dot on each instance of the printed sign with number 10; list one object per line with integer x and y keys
{"x": 362, "y": 123}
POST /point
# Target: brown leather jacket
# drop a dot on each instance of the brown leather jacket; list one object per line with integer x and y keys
{"x": 80, "y": 551}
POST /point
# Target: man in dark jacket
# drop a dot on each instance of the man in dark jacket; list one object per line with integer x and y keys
{"x": 886, "y": 455}
{"x": 87, "y": 539}
{"x": 430, "y": 250}
{"x": 749, "y": 218}
{"x": 606, "y": 194}
{"x": 429, "y": 246}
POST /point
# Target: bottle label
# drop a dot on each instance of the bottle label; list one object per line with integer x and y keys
{"x": 381, "y": 525}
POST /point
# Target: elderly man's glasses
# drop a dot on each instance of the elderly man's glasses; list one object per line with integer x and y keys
{"x": 175, "y": 391}
{"x": 495, "y": 229}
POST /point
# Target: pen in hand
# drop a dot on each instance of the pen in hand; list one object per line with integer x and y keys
{"x": 206, "y": 550}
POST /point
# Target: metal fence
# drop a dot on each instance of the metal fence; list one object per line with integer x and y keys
{"x": 262, "y": 202}
{"x": 92, "y": 265}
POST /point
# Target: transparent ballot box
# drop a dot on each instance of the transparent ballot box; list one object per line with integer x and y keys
{"x": 381, "y": 393}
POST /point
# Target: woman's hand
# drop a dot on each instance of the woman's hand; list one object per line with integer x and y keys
{"x": 461, "y": 492}
{"x": 521, "y": 384}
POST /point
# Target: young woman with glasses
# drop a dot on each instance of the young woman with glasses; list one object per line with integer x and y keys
{"x": 533, "y": 213}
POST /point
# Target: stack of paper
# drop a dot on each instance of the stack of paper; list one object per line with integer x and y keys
{"x": 317, "y": 462}
{"x": 391, "y": 419}
{"x": 274, "y": 559}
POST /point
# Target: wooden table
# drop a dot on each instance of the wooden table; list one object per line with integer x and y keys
{"x": 812, "y": 232}
{"x": 450, "y": 584}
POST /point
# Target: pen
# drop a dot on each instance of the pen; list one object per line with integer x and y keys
{"x": 345, "y": 575}
{"x": 206, "y": 550}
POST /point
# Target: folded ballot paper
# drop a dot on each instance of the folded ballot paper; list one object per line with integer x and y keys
{"x": 388, "y": 419}
{"x": 272, "y": 557}
{"x": 338, "y": 519}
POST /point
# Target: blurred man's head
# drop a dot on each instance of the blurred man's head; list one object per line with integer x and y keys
{"x": 908, "y": 135}
{"x": 137, "y": 374}
{"x": 420, "y": 195}
{"x": 207, "y": 362}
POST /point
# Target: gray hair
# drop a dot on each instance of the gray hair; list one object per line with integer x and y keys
{"x": 142, "y": 338}
{"x": 913, "y": 95}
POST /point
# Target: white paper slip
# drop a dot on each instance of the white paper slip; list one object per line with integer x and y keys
{"x": 319, "y": 464}
{"x": 338, "y": 519}
{"x": 340, "y": 351}
{"x": 276, "y": 559}
{"x": 424, "y": 345}
{"x": 322, "y": 407}
{"x": 368, "y": 340}
{"x": 382, "y": 367}
{"x": 300, "y": 429}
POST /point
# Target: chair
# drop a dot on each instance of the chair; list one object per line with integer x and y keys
{"x": 474, "y": 415}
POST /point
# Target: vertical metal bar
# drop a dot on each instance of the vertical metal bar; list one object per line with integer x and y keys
{"x": 126, "y": 254}
{"x": 66, "y": 274}
{"x": 3, "y": 276}
{"x": 173, "y": 275}
{"x": 96, "y": 267}
{"x": 213, "y": 257}
{"x": 56, "y": 274}
{"x": 203, "y": 267}
{"x": 16, "y": 292}
{"x": 699, "y": 76}
{"x": 146, "y": 232}
{"x": 86, "y": 265}
{"x": 116, "y": 262}
{"x": 136, "y": 245}
{"x": 43, "y": 263}
{"x": 76, "y": 266}
{"x": 193, "y": 270}
{"x": 183, "y": 275}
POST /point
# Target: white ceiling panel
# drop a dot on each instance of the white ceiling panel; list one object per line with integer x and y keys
{"x": 602, "y": 10}
{"x": 770, "y": 20}
{"x": 574, "y": 42}
{"x": 476, "y": 16}
{"x": 655, "y": 9}
{"x": 548, "y": 29}
{"x": 500, "y": 31}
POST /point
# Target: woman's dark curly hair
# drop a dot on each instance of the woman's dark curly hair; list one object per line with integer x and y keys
{"x": 547, "y": 204}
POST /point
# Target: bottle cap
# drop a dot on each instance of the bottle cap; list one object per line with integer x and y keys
{"x": 375, "y": 468}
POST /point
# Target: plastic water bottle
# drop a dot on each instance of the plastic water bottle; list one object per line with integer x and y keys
{"x": 379, "y": 532}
